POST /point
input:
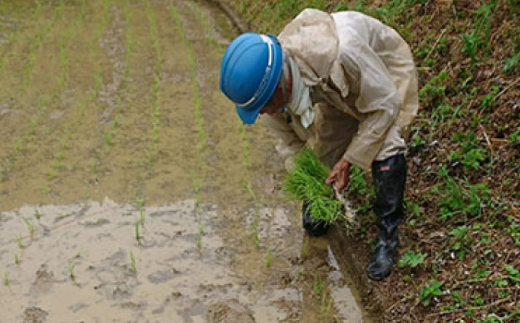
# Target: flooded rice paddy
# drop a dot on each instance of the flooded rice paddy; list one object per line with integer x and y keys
{"x": 129, "y": 189}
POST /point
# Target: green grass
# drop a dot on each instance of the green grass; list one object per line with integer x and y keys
{"x": 429, "y": 291}
{"x": 412, "y": 259}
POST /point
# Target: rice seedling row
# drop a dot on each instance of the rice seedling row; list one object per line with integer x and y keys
{"x": 34, "y": 44}
{"x": 248, "y": 186}
{"x": 198, "y": 175}
{"x": 156, "y": 88}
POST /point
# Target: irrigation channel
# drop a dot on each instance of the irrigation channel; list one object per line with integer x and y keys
{"x": 129, "y": 190}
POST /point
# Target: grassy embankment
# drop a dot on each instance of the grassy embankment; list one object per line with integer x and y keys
{"x": 459, "y": 258}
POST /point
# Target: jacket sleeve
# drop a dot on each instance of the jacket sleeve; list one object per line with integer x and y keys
{"x": 290, "y": 143}
{"x": 378, "y": 101}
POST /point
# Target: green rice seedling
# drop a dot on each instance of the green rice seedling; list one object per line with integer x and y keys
{"x": 109, "y": 141}
{"x": 197, "y": 111}
{"x": 106, "y": 13}
{"x": 136, "y": 231}
{"x": 83, "y": 8}
{"x": 207, "y": 26}
{"x": 19, "y": 242}
{"x": 64, "y": 75}
{"x": 196, "y": 188}
{"x": 326, "y": 307}
{"x": 140, "y": 206}
{"x": 305, "y": 248}
{"x": 299, "y": 273}
{"x": 61, "y": 6}
{"x": 306, "y": 182}
{"x": 29, "y": 225}
{"x": 29, "y": 67}
{"x": 256, "y": 220}
{"x": 63, "y": 216}
{"x": 6, "y": 279}
{"x": 247, "y": 184}
{"x": 155, "y": 39}
{"x": 18, "y": 146}
{"x": 37, "y": 214}
{"x": 57, "y": 164}
{"x": 255, "y": 230}
{"x": 140, "y": 203}
{"x": 71, "y": 265}
{"x": 129, "y": 39}
{"x": 38, "y": 8}
{"x": 132, "y": 262}
{"x": 93, "y": 163}
{"x": 247, "y": 143}
{"x": 16, "y": 259}
{"x": 149, "y": 159}
{"x": 199, "y": 237}
{"x": 317, "y": 285}
{"x": 268, "y": 259}
{"x": 98, "y": 77}
{"x": 64, "y": 143}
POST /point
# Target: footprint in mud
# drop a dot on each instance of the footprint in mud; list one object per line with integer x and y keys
{"x": 229, "y": 312}
{"x": 117, "y": 281}
{"x": 162, "y": 276}
{"x": 44, "y": 280}
{"x": 34, "y": 315}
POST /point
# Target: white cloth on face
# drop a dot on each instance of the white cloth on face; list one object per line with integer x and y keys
{"x": 300, "y": 102}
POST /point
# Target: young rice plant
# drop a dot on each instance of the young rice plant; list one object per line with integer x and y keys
{"x": 306, "y": 182}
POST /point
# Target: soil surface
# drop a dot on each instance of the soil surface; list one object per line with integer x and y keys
{"x": 129, "y": 189}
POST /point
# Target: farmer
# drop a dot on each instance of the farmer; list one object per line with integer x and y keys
{"x": 343, "y": 84}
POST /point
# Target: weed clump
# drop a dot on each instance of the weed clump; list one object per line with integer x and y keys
{"x": 306, "y": 182}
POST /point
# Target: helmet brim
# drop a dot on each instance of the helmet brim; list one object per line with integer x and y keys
{"x": 249, "y": 116}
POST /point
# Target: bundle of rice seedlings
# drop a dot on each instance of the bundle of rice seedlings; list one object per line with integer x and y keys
{"x": 306, "y": 182}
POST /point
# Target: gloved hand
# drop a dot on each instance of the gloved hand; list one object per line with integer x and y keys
{"x": 339, "y": 175}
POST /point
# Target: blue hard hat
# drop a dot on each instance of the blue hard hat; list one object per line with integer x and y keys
{"x": 250, "y": 71}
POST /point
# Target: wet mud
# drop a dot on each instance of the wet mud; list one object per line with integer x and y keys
{"x": 129, "y": 190}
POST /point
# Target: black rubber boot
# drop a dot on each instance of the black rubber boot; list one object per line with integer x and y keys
{"x": 389, "y": 181}
{"x": 314, "y": 228}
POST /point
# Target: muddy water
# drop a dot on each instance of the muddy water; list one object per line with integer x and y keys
{"x": 129, "y": 190}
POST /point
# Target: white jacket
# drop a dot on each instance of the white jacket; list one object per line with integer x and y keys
{"x": 363, "y": 83}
